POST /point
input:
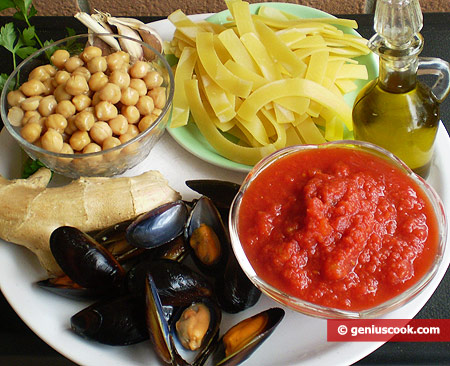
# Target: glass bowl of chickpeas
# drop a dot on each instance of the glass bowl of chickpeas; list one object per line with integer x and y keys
{"x": 94, "y": 111}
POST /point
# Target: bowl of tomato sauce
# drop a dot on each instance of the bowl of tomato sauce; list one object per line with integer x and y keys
{"x": 339, "y": 230}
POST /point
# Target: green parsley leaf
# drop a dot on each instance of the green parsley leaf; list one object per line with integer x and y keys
{"x": 28, "y": 35}
{"x": 24, "y": 52}
{"x": 3, "y": 78}
{"x": 8, "y": 36}
{"x": 30, "y": 167}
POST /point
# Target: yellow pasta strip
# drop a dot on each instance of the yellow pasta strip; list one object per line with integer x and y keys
{"x": 226, "y": 148}
{"x": 280, "y": 130}
{"x": 243, "y": 17}
{"x": 185, "y": 25}
{"x": 277, "y": 23}
{"x": 240, "y": 71}
{"x": 295, "y": 104}
{"x": 184, "y": 70}
{"x": 279, "y": 50}
{"x": 345, "y": 85}
{"x": 259, "y": 53}
{"x": 350, "y": 71}
{"x": 334, "y": 130}
{"x": 295, "y": 87}
{"x": 256, "y": 128}
{"x": 291, "y": 36}
{"x": 292, "y": 137}
{"x": 317, "y": 66}
{"x": 316, "y": 41}
{"x": 272, "y": 13}
{"x": 216, "y": 70}
{"x": 283, "y": 114}
{"x": 237, "y": 50}
{"x": 218, "y": 98}
{"x": 309, "y": 132}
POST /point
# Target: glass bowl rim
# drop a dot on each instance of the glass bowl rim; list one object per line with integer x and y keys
{"x": 320, "y": 311}
{"x": 36, "y": 149}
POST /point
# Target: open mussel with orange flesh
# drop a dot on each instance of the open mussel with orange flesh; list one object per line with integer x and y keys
{"x": 191, "y": 332}
{"x": 240, "y": 341}
{"x": 118, "y": 321}
{"x": 208, "y": 237}
{"x": 85, "y": 261}
{"x": 64, "y": 286}
{"x": 158, "y": 226}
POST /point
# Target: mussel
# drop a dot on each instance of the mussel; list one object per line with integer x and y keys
{"x": 158, "y": 226}
{"x": 116, "y": 321}
{"x": 86, "y": 262}
{"x": 207, "y": 236}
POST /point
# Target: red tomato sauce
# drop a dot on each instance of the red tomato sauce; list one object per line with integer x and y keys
{"x": 338, "y": 228}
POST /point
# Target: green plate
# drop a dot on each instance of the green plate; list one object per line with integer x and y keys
{"x": 189, "y": 136}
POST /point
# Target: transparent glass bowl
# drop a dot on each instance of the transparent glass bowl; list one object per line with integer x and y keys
{"x": 312, "y": 309}
{"x": 108, "y": 162}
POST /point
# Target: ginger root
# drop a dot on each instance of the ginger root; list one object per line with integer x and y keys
{"x": 30, "y": 211}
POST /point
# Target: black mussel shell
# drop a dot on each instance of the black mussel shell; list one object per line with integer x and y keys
{"x": 234, "y": 291}
{"x": 112, "y": 233}
{"x": 84, "y": 260}
{"x": 177, "y": 283}
{"x": 118, "y": 322}
{"x": 220, "y": 192}
{"x": 175, "y": 250}
{"x": 64, "y": 286}
{"x": 207, "y": 236}
{"x": 233, "y": 352}
{"x": 158, "y": 226}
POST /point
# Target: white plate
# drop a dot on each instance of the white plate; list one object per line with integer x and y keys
{"x": 298, "y": 340}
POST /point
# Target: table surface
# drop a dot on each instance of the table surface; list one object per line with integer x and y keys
{"x": 20, "y": 346}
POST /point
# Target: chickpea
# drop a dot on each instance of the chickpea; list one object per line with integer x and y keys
{"x": 96, "y": 99}
{"x": 125, "y": 137}
{"x": 158, "y": 95}
{"x": 120, "y": 78}
{"x": 98, "y": 81}
{"x": 51, "y": 70}
{"x": 32, "y": 88}
{"x": 125, "y": 56}
{"x": 146, "y": 122}
{"x": 132, "y": 130}
{"x": 115, "y": 61}
{"x": 119, "y": 125}
{"x": 81, "y": 102}
{"x": 76, "y": 85}
{"x": 97, "y": 64}
{"x": 31, "y": 103}
{"x": 15, "y": 97}
{"x": 139, "y": 85}
{"x": 90, "y": 52}
{"x": 139, "y": 69}
{"x": 56, "y": 122}
{"x": 79, "y": 140}
{"x": 110, "y": 142}
{"x": 92, "y": 147}
{"x": 66, "y": 149}
{"x": 31, "y": 132}
{"x": 84, "y": 120}
{"x": 47, "y": 105}
{"x": 31, "y": 116}
{"x": 73, "y": 63}
{"x": 39, "y": 73}
{"x": 52, "y": 140}
{"x": 131, "y": 113}
{"x": 83, "y": 71}
{"x": 110, "y": 93}
{"x": 145, "y": 105}
{"x": 71, "y": 128}
{"x": 59, "y": 58}
{"x": 61, "y": 77}
{"x": 100, "y": 131}
{"x": 129, "y": 96}
{"x": 157, "y": 112}
{"x": 61, "y": 94}
{"x": 49, "y": 87}
{"x": 153, "y": 79}
{"x": 66, "y": 108}
{"x": 15, "y": 116}
{"x": 105, "y": 111}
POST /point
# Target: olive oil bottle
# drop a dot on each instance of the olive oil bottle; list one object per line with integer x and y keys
{"x": 396, "y": 111}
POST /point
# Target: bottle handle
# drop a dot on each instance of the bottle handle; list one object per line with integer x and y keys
{"x": 439, "y": 68}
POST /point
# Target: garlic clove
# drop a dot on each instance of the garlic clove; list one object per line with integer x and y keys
{"x": 94, "y": 26}
{"x": 152, "y": 38}
{"x": 133, "y": 48}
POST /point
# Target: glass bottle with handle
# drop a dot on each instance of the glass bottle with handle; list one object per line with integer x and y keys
{"x": 397, "y": 111}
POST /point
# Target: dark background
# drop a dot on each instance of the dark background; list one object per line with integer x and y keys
{"x": 20, "y": 346}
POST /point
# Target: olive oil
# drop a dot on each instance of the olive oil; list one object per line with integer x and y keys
{"x": 396, "y": 111}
